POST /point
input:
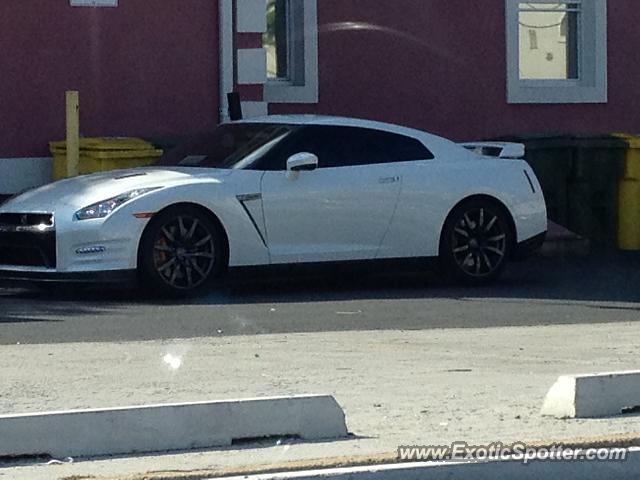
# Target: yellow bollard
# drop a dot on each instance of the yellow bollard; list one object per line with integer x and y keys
{"x": 73, "y": 132}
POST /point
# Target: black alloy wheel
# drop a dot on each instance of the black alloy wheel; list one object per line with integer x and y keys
{"x": 476, "y": 242}
{"x": 181, "y": 251}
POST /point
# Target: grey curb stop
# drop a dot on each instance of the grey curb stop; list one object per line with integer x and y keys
{"x": 156, "y": 428}
{"x": 594, "y": 395}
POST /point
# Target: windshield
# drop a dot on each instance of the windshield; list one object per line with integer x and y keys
{"x": 230, "y": 146}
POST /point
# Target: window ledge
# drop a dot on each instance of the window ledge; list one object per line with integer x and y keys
{"x": 278, "y": 91}
{"x": 558, "y": 93}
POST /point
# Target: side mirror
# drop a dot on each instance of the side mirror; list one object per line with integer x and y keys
{"x": 301, "y": 161}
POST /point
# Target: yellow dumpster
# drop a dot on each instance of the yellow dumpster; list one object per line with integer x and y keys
{"x": 100, "y": 154}
{"x": 629, "y": 197}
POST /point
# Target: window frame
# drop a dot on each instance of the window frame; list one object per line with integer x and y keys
{"x": 93, "y": 3}
{"x": 302, "y": 49}
{"x": 591, "y": 84}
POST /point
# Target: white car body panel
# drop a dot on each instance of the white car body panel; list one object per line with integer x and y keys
{"x": 328, "y": 214}
{"x": 431, "y": 189}
{"x": 392, "y": 210}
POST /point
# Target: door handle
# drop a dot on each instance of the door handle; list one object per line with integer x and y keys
{"x": 388, "y": 179}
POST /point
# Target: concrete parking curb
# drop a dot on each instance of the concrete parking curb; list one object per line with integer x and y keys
{"x": 154, "y": 428}
{"x": 594, "y": 395}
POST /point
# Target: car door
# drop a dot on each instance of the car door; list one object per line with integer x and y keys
{"x": 339, "y": 211}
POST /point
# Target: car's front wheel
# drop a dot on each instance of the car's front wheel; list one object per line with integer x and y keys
{"x": 476, "y": 242}
{"x": 181, "y": 252}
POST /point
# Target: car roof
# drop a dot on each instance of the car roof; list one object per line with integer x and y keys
{"x": 431, "y": 141}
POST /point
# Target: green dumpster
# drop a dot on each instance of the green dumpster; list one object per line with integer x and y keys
{"x": 579, "y": 176}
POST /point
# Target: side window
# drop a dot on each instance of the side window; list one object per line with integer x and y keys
{"x": 352, "y": 146}
{"x": 346, "y": 146}
{"x": 313, "y": 139}
{"x": 332, "y": 145}
{"x": 384, "y": 147}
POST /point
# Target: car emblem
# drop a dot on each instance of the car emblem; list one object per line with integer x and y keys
{"x": 24, "y": 220}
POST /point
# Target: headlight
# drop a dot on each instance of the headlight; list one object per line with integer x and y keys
{"x": 106, "y": 207}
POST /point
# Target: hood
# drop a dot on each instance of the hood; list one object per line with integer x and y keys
{"x": 85, "y": 190}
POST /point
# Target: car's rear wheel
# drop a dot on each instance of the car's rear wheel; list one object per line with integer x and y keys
{"x": 476, "y": 242}
{"x": 181, "y": 252}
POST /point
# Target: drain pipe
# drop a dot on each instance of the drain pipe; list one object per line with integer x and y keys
{"x": 225, "y": 16}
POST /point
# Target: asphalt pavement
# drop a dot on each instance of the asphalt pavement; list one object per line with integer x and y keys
{"x": 431, "y": 387}
{"x": 604, "y": 287}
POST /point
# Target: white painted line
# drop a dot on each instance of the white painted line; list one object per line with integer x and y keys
{"x": 156, "y": 428}
{"x": 493, "y": 470}
{"x": 591, "y": 396}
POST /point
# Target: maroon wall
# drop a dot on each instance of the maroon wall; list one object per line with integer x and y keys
{"x": 440, "y": 65}
{"x": 151, "y": 69}
{"x": 144, "y": 68}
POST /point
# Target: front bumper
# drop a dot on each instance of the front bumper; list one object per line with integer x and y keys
{"x": 64, "y": 249}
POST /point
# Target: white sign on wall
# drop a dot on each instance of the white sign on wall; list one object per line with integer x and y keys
{"x": 94, "y": 3}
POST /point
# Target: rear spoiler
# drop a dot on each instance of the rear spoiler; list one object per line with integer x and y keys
{"x": 496, "y": 149}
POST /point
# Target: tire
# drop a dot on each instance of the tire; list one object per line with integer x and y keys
{"x": 181, "y": 252}
{"x": 476, "y": 242}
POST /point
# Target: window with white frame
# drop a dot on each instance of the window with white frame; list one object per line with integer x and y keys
{"x": 556, "y": 51}
{"x": 93, "y": 3}
{"x": 291, "y": 43}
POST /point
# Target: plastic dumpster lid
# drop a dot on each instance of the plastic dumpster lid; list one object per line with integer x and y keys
{"x": 632, "y": 139}
{"x": 106, "y": 143}
{"x": 116, "y": 155}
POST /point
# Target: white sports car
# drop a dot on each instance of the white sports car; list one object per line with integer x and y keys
{"x": 281, "y": 190}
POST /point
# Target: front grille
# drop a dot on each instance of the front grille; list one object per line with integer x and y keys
{"x": 29, "y": 249}
{"x": 26, "y": 219}
{"x": 27, "y": 239}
